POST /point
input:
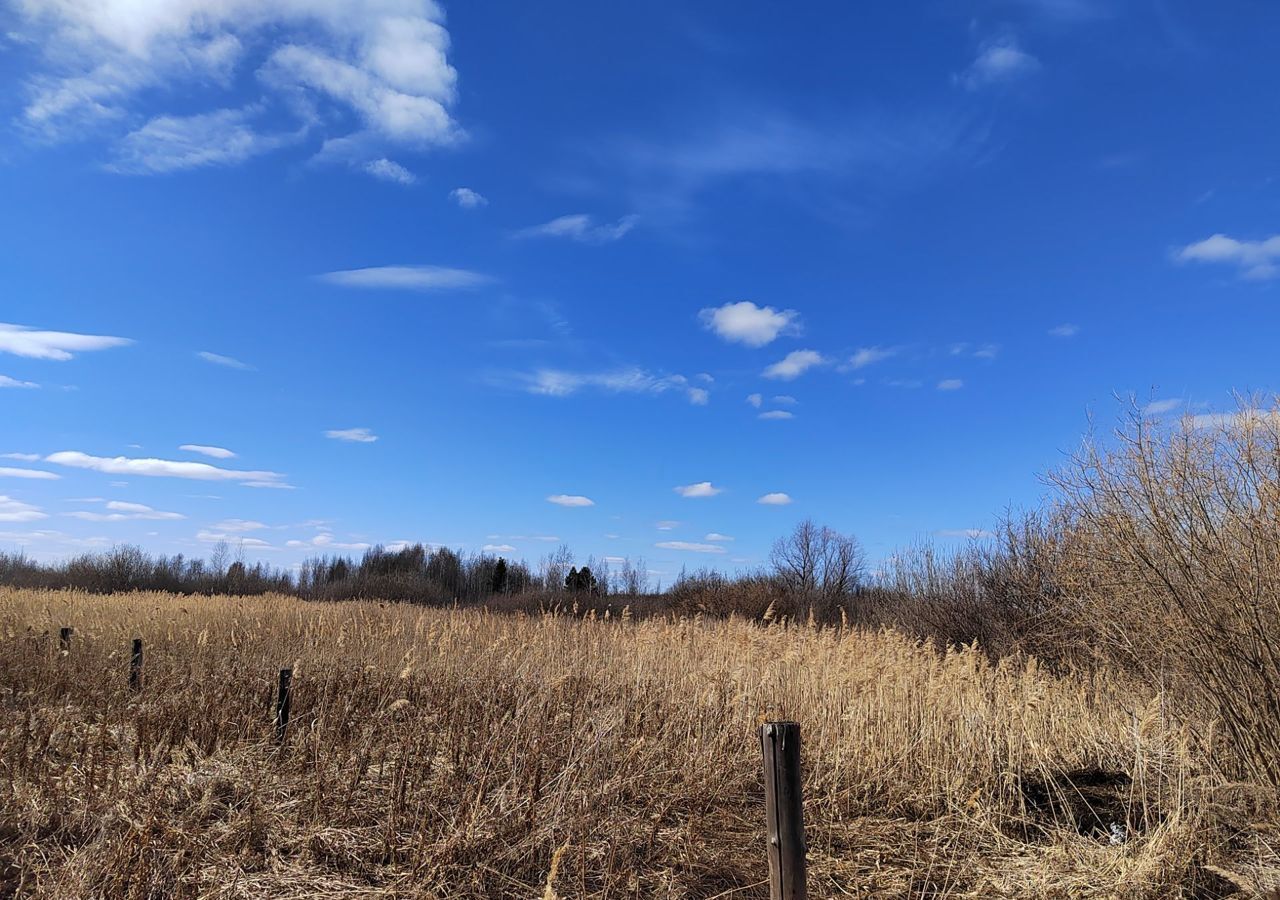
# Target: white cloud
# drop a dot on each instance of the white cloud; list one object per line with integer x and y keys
{"x": 22, "y": 340}
{"x": 122, "y": 511}
{"x": 580, "y": 227}
{"x": 777, "y": 498}
{"x": 776, "y": 415}
{"x": 570, "y": 500}
{"x": 785, "y": 400}
{"x": 1256, "y": 260}
{"x": 698, "y": 489}
{"x": 277, "y": 485}
{"x": 970, "y": 533}
{"x": 794, "y": 364}
{"x": 715, "y": 537}
{"x": 498, "y": 548}
{"x": 998, "y": 62}
{"x": 407, "y": 278}
{"x": 388, "y": 170}
{"x": 206, "y": 450}
{"x": 691, "y": 547}
{"x": 323, "y": 62}
{"x": 467, "y": 198}
{"x": 239, "y": 525}
{"x": 755, "y": 400}
{"x": 25, "y": 457}
{"x": 1065, "y": 330}
{"x": 561, "y": 383}
{"x": 1160, "y": 407}
{"x": 7, "y": 382}
{"x": 226, "y": 361}
{"x": 745, "y": 323}
{"x": 667, "y": 525}
{"x": 950, "y": 384}
{"x": 16, "y": 511}
{"x": 35, "y": 474}
{"x": 162, "y": 468}
{"x": 866, "y": 356}
{"x": 224, "y": 137}
{"x": 352, "y": 435}
{"x": 214, "y": 537}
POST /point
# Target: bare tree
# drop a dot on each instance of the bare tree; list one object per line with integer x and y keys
{"x": 554, "y": 567}
{"x": 817, "y": 561}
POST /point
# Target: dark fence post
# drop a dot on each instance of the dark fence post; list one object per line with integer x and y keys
{"x": 135, "y": 666}
{"x": 283, "y": 700}
{"x": 784, "y": 806}
{"x": 64, "y": 637}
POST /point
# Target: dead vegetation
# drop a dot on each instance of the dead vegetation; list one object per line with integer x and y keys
{"x": 438, "y": 753}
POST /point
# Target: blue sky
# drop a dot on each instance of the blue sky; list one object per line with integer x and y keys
{"x": 504, "y": 274}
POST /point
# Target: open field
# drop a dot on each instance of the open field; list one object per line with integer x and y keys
{"x": 438, "y": 753}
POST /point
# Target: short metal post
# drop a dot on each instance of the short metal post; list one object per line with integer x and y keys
{"x": 64, "y": 637}
{"x": 135, "y": 666}
{"x": 784, "y": 807}
{"x": 283, "y": 700}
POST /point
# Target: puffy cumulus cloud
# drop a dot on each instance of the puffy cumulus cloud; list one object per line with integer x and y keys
{"x": 1257, "y": 260}
{"x": 23, "y": 340}
{"x": 383, "y": 63}
{"x": 745, "y": 323}
{"x": 794, "y": 364}
{"x": 777, "y": 498}
{"x": 755, "y": 400}
{"x": 698, "y": 489}
{"x": 389, "y": 170}
{"x": 467, "y": 198}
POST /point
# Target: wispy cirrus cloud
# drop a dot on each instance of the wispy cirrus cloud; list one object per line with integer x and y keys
{"x": 121, "y": 511}
{"x": 745, "y": 323}
{"x": 999, "y": 61}
{"x": 631, "y": 380}
{"x": 206, "y": 450}
{"x": 690, "y": 547}
{"x": 158, "y": 468}
{"x": 7, "y": 382}
{"x": 570, "y": 500}
{"x": 17, "y": 511}
{"x": 24, "y": 340}
{"x": 581, "y": 227}
{"x": 407, "y": 278}
{"x": 29, "y": 474}
{"x": 351, "y": 435}
{"x": 227, "y": 362}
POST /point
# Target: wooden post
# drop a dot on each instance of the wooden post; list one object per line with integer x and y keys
{"x": 784, "y": 807}
{"x": 135, "y": 666}
{"x": 283, "y": 700}
{"x": 64, "y": 637}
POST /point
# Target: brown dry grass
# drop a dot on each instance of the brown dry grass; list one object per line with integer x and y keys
{"x": 438, "y": 753}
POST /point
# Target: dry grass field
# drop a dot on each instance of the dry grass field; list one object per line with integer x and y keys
{"x": 456, "y": 753}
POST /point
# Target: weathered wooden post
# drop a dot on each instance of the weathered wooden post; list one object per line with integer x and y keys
{"x": 283, "y": 700}
{"x": 64, "y": 637}
{"x": 135, "y": 666}
{"x": 784, "y": 807}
